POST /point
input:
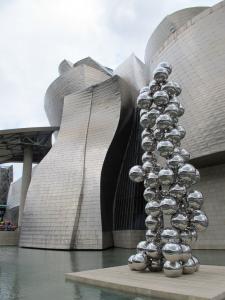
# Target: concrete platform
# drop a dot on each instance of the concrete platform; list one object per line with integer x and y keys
{"x": 9, "y": 238}
{"x": 208, "y": 283}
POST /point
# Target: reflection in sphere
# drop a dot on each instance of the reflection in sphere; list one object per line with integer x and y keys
{"x": 150, "y": 235}
{"x": 151, "y": 222}
{"x": 166, "y": 65}
{"x": 152, "y": 250}
{"x": 130, "y": 262}
{"x": 156, "y": 265}
{"x": 148, "y": 144}
{"x": 152, "y": 208}
{"x": 171, "y": 110}
{"x": 154, "y": 86}
{"x": 151, "y": 180}
{"x": 199, "y": 221}
{"x": 160, "y": 98}
{"x": 149, "y": 194}
{"x": 182, "y": 131}
{"x": 194, "y": 199}
{"x": 147, "y": 167}
{"x": 173, "y": 136}
{"x": 176, "y": 161}
{"x": 170, "y": 88}
{"x": 189, "y": 267}
{"x": 139, "y": 262}
{"x": 170, "y": 235}
{"x": 168, "y": 205}
{"x": 144, "y": 101}
{"x": 172, "y": 251}
{"x": 141, "y": 246}
{"x": 179, "y": 221}
{"x": 166, "y": 176}
{"x": 164, "y": 121}
{"x": 172, "y": 269}
{"x": 186, "y": 173}
{"x": 186, "y": 252}
{"x": 160, "y": 75}
{"x": 136, "y": 174}
{"x": 186, "y": 237}
{"x": 165, "y": 148}
{"x": 178, "y": 191}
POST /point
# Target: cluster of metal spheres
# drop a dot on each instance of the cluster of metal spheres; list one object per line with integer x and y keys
{"x": 168, "y": 185}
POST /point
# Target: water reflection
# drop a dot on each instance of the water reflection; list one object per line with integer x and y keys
{"x": 30, "y": 274}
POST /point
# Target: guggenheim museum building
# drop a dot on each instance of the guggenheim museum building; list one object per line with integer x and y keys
{"x": 80, "y": 195}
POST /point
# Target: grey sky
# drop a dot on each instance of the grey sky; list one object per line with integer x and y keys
{"x": 36, "y": 35}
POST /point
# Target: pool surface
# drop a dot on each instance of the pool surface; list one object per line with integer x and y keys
{"x": 31, "y": 274}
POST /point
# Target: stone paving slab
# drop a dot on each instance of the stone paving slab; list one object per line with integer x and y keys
{"x": 208, "y": 283}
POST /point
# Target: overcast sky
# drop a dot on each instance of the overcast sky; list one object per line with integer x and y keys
{"x": 36, "y": 35}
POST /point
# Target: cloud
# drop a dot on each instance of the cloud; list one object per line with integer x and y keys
{"x": 37, "y": 35}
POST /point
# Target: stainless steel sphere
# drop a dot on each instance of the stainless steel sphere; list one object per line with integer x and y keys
{"x": 147, "y": 133}
{"x": 164, "y": 121}
{"x": 154, "y": 86}
{"x": 156, "y": 265}
{"x": 172, "y": 269}
{"x": 186, "y": 252}
{"x": 180, "y": 221}
{"x": 178, "y": 191}
{"x": 166, "y": 65}
{"x": 197, "y": 263}
{"x": 172, "y": 110}
{"x": 145, "y": 122}
{"x": 149, "y": 194}
{"x": 185, "y": 154}
{"x": 199, "y": 221}
{"x": 173, "y": 136}
{"x": 152, "y": 208}
{"x": 148, "y": 156}
{"x": 168, "y": 205}
{"x": 182, "y": 131}
{"x": 151, "y": 222}
{"x": 194, "y": 235}
{"x": 165, "y": 148}
{"x": 178, "y": 88}
{"x": 170, "y": 235}
{"x": 141, "y": 246}
{"x": 150, "y": 236}
{"x": 130, "y": 262}
{"x": 194, "y": 199}
{"x": 147, "y": 167}
{"x": 144, "y": 101}
{"x": 170, "y": 88}
{"x": 158, "y": 134}
{"x": 186, "y": 173}
{"x": 148, "y": 144}
{"x": 197, "y": 176}
{"x": 153, "y": 250}
{"x": 152, "y": 180}
{"x": 189, "y": 267}
{"x": 186, "y": 237}
{"x": 145, "y": 89}
{"x": 166, "y": 176}
{"x": 139, "y": 262}
{"x": 160, "y": 75}
{"x": 176, "y": 161}
{"x": 136, "y": 174}
{"x": 172, "y": 251}
{"x": 174, "y": 100}
{"x": 180, "y": 110}
{"x": 153, "y": 115}
{"x": 160, "y": 98}
{"x": 143, "y": 111}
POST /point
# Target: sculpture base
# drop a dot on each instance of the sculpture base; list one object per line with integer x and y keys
{"x": 208, "y": 283}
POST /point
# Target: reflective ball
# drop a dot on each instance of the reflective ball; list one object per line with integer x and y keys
{"x": 130, "y": 262}
{"x": 173, "y": 136}
{"x": 164, "y": 121}
{"x": 148, "y": 144}
{"x": 170, "y": 235}
{"x": 178, "y": 191}
{"x": 149, "y": 194}
{"x": 175, "y": 101}
{"x": 153, "y": 114}
{"x": 148, "y": 156}
{"x": 145, "y": 89}
{"x": 147, "y": 133}
{"x": 178, "y": 88}
{"x": 166, "y": 176}
{"x": 141, "y": 246}
{"x": 179, "y": 221}
{"x": 151, "y": 180}
{"x": 171, "y": 110}
{"x": 143, "y": 111}
{"x": 144, "y": 101}
{"x": 154, "y": 86}
{"x": 153, "y": 250}
{"x": 197, "y": 263}
{"x": 150, "y": 235}
{"x": 165, "y": 148}
{"x": 144, "y": 121}
{"x": 182, "y": 131}
{"x": 199, "y": 221}
{"x": 170, "y": 88}
{"x": 136, "y": 174}
{"x": 147, "y": 167}
{"x": 160, "y": 98}
{"x": 186, "y": 252}
{"x": 168, "y": 205}
{"x": 151, "y": 222}
{"x": 180, "y": 110}
{"x": 194, "y": 235}
{"x": 197, "y": 177}
{"x": 176, "y": 161}
{"x": 172, "y": 252}
{"x": 194, "y": 199}
{"x": 156, "y": 265}
{"x": 172, "y": 269}
{"x": 139, "y": 262}
{"x": 186, "y": 237}
{"x": 185, "y": 154}
{"x": 166, "y": 65}
{"x": 160, "y": 75}
{"x": 189, "y": 267}
{"x": 158, "y": 134}
{"x": 152, "y": 208}
{"x": 186, "y": 173}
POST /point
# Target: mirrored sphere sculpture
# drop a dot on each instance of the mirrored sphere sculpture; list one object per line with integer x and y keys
{"x": 168, "y": 182}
